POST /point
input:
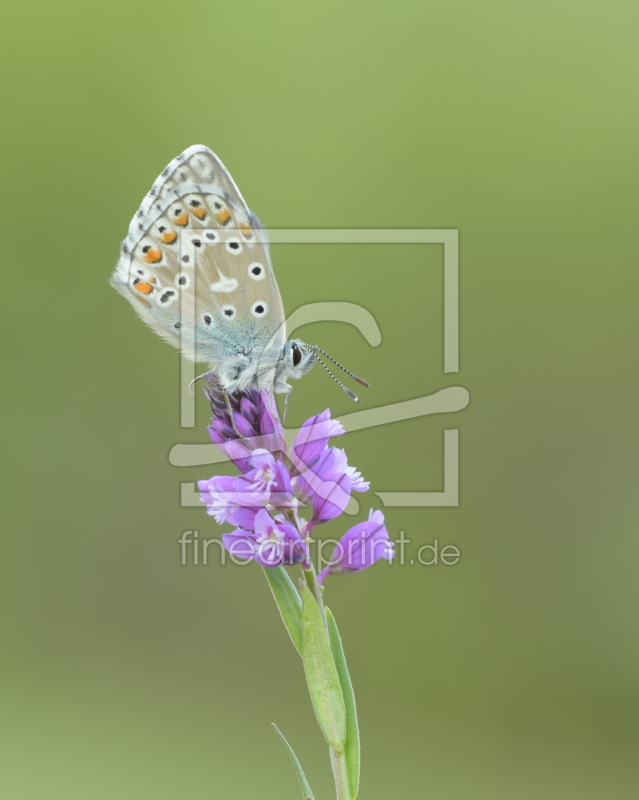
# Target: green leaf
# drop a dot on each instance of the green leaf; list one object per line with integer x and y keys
{"x": 306, "y": 789}
{"x": 288, "y": 601}
{"x": 321, "y": 673}
{"x": 351, "y": 747}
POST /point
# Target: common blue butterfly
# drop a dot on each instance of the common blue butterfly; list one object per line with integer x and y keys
{"x": 196, "y": 267}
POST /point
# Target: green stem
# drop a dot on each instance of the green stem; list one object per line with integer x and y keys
{"x": 310, "y": 576}
{"x": 311, "y": 581}
{"x": 340, "y": 774}
{"x": 338, "y": 759}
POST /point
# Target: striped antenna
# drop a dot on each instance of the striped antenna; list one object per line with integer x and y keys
{"x": 338, "y": 382}
{"x": 330, "y": 358}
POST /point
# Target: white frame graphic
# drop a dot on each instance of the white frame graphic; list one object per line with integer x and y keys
{"x": 448, "y": 400}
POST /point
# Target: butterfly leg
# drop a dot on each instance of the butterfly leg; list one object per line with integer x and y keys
{"x": 289, "y": 389}
{"x": 195, "y": 380}
{"x": 229, "y": 408}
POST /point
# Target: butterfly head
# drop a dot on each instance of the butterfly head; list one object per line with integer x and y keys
{"x": 298, "y": 358}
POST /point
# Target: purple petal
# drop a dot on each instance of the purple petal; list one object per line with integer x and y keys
{"x": 240, "y": 545}
{"x": 268, "y": 555}
{"x": 264, "y": 523}
{"x": 269, "y": 421}
{"x": 283, "y": 480}
{"x": 330, "y": 466}
{"x": 331, "y": 498}
{"x": 277, "y": 543}
{"x": 243, "y": 425}
{"x": 358, "y": 484}
{"x": 243, "y": 517}
{"x": 234, "y": 448}
{"x": 220, "y": 431}
{"x": 360, "y": 547}
{"x": 217, "y": 484}
{"x": 260, "y": 459}
{"x": 249, "y": 411}
{"x": 313, "y": 437}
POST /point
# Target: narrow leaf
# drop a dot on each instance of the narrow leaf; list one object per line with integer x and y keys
{"x": 351, "y": 747}
{"x": 306, "y": 789}
{"x": 288, "y": 601}
{"x": 321, "y": 673}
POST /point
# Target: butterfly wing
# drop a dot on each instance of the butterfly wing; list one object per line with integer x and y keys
{"x": 196, "y": 267}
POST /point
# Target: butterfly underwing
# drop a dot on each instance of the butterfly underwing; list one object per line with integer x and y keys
{"x": 196, "y": 267}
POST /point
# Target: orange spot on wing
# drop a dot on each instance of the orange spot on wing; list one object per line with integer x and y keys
{"x": 247, "y": 233}
{"x": 200, "y": 213}
{"x": 182, "y": 219}
{"x": 168, "y": 237}
{"x": 152, "y": 280}
{"x": 223, "y": 217}
{"x": 143, "y": 288}
{"x": 153, "y": 256}
{"x": 142, "y": 300}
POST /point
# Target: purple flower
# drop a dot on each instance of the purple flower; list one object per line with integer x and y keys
{"x": 317, "y": 475}
{"x": 312, "y": 474}
{"x": 360, "y": 547}
{"x": 216, "y": 493}
{"x": 272, "y": 543}
{"x": 267, "y": 483}
{"x": 265, "y": 474}
{"x": 330, "y": 498}
{"x": 255, "y": 419}
{"x": 243, "y": 517}
{"x": 328, "y": 484}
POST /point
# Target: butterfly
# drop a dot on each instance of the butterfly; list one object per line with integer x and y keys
{"x": 196, "y": 267}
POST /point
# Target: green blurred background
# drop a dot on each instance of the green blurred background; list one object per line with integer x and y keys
{"x": 510, "y": 675}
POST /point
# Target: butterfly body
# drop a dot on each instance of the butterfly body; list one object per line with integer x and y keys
{"x": 196, "y": 267}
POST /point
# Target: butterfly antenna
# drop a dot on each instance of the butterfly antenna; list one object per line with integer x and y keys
{"x": 348, "y": 372}
{"x": 338, "y": 382}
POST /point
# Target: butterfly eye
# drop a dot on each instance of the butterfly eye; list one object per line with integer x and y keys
{"x": 256, "y": 271}
{"x": 297, "y": 355}
{"x": 182, "y": 280}
{"x": 207, "y": 319}
{"x": 228, "y": 311}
